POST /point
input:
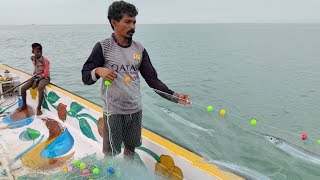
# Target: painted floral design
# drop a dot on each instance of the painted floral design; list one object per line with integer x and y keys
{"x": 100, "y": 126}
{"x": 62, "y": 112}
{"x": 167, "y": 169}
{"x": 74, "y": 111}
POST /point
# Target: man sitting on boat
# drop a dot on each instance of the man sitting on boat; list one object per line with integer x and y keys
{"x": 119, "y": 56}
{"x": 40, "y": 79}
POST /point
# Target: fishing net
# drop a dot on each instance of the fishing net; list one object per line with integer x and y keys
{"x": 199, "y": 128}
{"x": 89, "y": 167}
{"x": 202, "y": 127}
{"x": 172, "y": 121}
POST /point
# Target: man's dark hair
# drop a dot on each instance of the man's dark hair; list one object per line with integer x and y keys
{"x": 34, "y": 45}
{"x": 118, "y": 8}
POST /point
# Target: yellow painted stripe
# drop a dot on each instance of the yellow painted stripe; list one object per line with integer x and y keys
{"x": 194, "y": 159}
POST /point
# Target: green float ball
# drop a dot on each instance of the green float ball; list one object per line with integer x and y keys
{"x": 209, "y": 108}
{"x": 319, "y": 141}
{"x": 83, "y": 166}
{"x": 96, "y": 171}
{"x": 76, "y": 163}
{"x": 118, "y": 174}
{"x": 107, "y": 83}
{"x": 253, "y": 122}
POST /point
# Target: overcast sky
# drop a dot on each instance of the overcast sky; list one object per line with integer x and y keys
{"x": 160, "y": 11}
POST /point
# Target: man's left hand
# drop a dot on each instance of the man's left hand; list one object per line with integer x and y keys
{"x": 39, "y": 76}
{"x": 184, "y": 99}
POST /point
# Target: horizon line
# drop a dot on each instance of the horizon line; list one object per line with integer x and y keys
{"x": 167, "y": 23}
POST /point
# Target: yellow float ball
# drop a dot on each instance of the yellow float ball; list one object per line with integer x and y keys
{"x": 222, "y": 112}
{"x": 65, "y": 169}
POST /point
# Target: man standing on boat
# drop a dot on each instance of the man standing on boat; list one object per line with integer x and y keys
{"x": 116, "y": 57}
{"x": 40, "y": 79}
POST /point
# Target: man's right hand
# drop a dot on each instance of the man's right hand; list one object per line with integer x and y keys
{"x": 106, "y": 73}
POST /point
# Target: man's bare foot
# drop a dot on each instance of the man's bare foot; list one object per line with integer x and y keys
{"x": 23, "y": 107}
{"x": 39, "y": 112}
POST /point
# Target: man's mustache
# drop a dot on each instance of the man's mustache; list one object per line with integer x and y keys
{"x": 131, "y": 31}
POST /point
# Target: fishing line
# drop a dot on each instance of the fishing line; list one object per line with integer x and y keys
{"x": 221, "y": 112}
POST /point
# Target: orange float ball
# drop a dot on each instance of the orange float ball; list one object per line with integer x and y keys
{"x": 127, "y": 79}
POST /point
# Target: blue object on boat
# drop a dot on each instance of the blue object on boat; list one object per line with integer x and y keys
{"x": 59, "y": 146}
